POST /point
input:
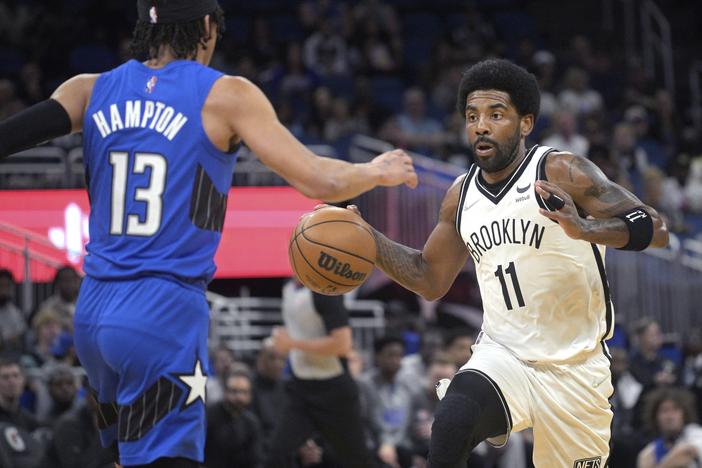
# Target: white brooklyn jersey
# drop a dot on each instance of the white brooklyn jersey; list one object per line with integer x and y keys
{"x": 545, "y": 295}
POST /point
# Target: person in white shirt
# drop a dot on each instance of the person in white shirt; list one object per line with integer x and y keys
{"x": 565, "y": 136}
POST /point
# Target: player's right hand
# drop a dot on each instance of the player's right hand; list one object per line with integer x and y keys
{"x": 395, "y": 168}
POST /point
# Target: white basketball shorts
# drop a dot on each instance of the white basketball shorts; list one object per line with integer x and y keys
{"x": 566, "y": 404}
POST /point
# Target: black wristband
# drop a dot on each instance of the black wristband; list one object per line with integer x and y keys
{"x": 35, "y": 125}
{"x": 640, "y": 226}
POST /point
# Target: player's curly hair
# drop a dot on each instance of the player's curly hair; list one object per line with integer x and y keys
{"x": 681, "y": 397}
{"x": 501, "y": 75}
{"x": 183, "y": 38}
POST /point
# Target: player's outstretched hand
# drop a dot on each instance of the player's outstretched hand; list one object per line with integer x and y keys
{"x": 396, "y": 168}
{"x": 567, "y": 215}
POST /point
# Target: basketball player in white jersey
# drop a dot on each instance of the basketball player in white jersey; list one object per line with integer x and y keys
{"x": 535, "y": 222}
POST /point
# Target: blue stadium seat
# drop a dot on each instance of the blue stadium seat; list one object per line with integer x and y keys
{"x": 340, "y": 86}
{"x": 388, "y": 92}
{"x": 238, "y": 29}
{"x": 513, "y": 26}
{"x": 418, "y": 50}
{"x": 285, "y": 29}
{"x": 92, "y": 58}
{"x": 11, "y": 61}
{"x": 421, "y": 24}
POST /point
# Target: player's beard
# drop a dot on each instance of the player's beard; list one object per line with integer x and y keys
{"x": 505, "y": 153}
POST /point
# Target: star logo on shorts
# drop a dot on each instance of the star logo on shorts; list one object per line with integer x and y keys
{"x": 196, "y": 382}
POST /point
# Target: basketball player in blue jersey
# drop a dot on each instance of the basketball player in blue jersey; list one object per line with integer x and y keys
{"x": 535, "y": 221}
{"x": 160, "y": 142}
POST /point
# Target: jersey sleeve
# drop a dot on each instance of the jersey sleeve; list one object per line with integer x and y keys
{"x": 332, "y": 311}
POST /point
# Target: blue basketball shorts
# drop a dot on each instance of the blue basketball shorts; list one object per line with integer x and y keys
{"x": 143, "y": 344}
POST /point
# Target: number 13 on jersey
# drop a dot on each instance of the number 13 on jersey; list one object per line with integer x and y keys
{"x": 512, "y": 272}
{"x": 151, "y": 194}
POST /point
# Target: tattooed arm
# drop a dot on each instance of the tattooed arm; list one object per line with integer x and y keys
{"x": 431, "y": 271}
{"x": 581, "y": 184}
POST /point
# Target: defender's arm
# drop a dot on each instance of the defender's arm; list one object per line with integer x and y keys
{"x": 620, "y": 218}
{"x": 253, "y": 118}
{"x": 60, "y": 115}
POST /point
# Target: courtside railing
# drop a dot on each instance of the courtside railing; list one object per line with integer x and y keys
{"x": 242, "y": 323}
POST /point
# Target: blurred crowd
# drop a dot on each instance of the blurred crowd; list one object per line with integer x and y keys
{"x": 46, "y": 405}
{"x": 335, "y": 68}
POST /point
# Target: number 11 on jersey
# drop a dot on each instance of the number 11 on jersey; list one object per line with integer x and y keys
{"x": 512, "y": 272}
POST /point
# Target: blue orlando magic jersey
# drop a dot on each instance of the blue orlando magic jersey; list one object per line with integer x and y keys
{"x": 158, "y": 186}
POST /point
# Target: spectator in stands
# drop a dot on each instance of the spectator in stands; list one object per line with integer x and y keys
{"x": 320, "y": 112}
{"x": 46, "y": 327}
{"x": 377, "y": 11}
{"x": 647, "y": 365}
{"x": 665, "y": 194}
{"x": 293, "y": 81}
{"x": 325, "y": 51}
{"x": 268, "y": 388}
{"x": 63, "y": 349}
{"x": 596, "y": 130}
{"x": 63, "y": 301}
{"x": 9, "y": 102}
{"x": 341, "y": 123}
{"x": 626, "y": 434}
{"x": 424, "y": 405}
{"x": 692, "y": 374}
{"x": 223, "y": 363}
{"x": 544, "y": 64}
{"x": 12, "y": 323}
{"x": 260, "y": 45}
{"x": 31, "y": 82}
{"x": 565, "y": 136}
{"x": 76, "y": 440}
{"x": 693, "y": 187}
{"x": 631, "y": 159}
{"x": 665, "y": 122}
{"x": 386, "y": 402}
{"x": 412, "y": 128}
{"x": 602, "y": 157}
{"x": 415, "y": 367}
{"x": 637, "y": 117}
{"x": 61, "y": 395}
{"x": 472, "y": 37}
{"x": 12, "y": 382}
{"x": 577, "y": 96}
{"x": 234, "y": 435}
{"x": 670, "y": 414}
{"x": 380, "y": 52}
{"x": 458, "y": 345}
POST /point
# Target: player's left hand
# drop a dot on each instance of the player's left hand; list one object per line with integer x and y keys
{"x": 567, "y": 216}
{"x": 396, "y": 168}
{"x": 281, "y": 340}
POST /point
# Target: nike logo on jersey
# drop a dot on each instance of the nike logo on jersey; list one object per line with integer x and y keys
{"x": 523, "y": 189}
{"x": 466, "y": 208}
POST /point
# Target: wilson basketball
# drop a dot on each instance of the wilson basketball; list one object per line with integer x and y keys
{"x": 332, "y": 251}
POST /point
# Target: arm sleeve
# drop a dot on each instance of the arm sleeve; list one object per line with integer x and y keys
{"x": 32, "y": 126}
{"x": 332, "y": 310}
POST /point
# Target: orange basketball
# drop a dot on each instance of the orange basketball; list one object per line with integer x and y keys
{"x": 332, "y": 251}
